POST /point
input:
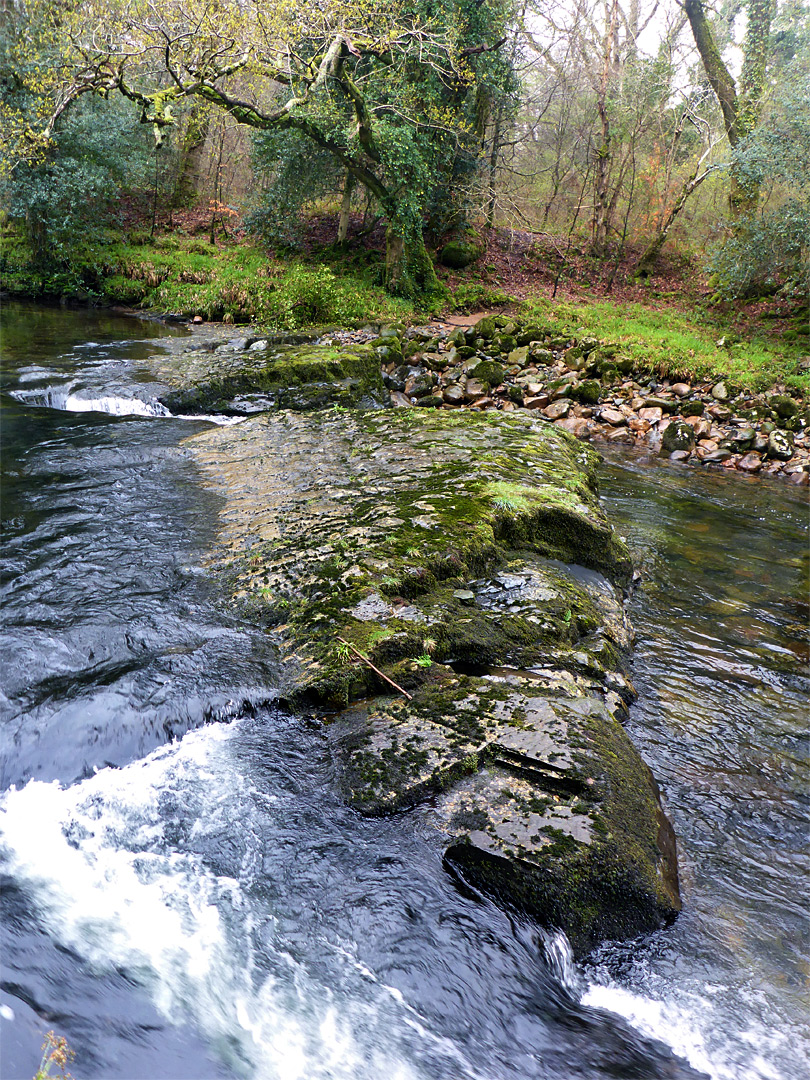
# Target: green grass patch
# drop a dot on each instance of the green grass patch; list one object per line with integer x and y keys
{"x": 188, "y": 276}
{"x": 674, "y": 346}
{"x": 243, "y": 284}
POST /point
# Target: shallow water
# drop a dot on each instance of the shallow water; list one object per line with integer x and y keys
{"x": 207, "y": 907}
{"x": 721, "y": 666}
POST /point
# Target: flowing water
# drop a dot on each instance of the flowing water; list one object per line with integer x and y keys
{"x": 189, "y": 898}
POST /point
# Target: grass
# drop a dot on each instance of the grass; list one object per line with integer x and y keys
{"x": 674, "y": 345}
{"x": 241, "y": 283}
{"x": 232, "y": 282}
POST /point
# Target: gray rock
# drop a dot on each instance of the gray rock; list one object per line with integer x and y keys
{"x": 475, "y": 389}
{"x": 742, "y": 438}
{"x": 720, "y": 392}
{"x": 558, "y": 409}
{"x": 453, "y": 395}
{"x": 420, "y": 384}
{"x": 780, "y": 445}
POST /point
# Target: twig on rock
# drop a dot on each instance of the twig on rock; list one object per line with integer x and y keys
{"x": 366, "y": 660}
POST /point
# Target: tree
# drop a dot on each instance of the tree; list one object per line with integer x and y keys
{"x": 771, "y": 249}
{"x": 61, "y": 169}
{"x": 740, "y": 102}
{"x": 390, "y": 95}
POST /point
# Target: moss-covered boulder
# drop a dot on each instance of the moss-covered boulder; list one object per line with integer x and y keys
{"x": 457, "y": 254}
{"x": 449, "y": 582}
{"x": 487, "y": 371}
{"x": 537, "y": 792}
{"x": 245, "y": 380}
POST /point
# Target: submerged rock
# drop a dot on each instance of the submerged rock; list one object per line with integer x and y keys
{"x": 466, "y": 558}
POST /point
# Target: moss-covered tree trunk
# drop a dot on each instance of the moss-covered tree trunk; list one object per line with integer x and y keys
{"x": 408, "y": 267}
{"x": 740, "y": 106}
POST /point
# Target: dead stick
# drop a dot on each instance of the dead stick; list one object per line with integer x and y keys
{"x": 366, "y": 660}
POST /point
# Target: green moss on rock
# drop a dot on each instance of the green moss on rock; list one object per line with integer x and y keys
{"x": 457, "y": 254}
{"x": 299, "y": 377}
{"x": 474, "y": 541}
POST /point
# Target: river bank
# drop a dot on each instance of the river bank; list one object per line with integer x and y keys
{"x": 582, "y": 384}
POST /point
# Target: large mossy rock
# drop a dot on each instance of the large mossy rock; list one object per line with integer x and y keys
{"x": 300, "y": 377}
{"x": 456, "y": 254}
{"x": 466, "y": 556}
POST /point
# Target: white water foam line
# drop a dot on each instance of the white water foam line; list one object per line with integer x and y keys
{"x": 64, "y": 400}
{"x": 109, "y": 885}
{"x": 688, "y": 1028}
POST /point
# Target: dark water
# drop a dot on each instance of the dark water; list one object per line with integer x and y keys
{"x": 206, "y": 907}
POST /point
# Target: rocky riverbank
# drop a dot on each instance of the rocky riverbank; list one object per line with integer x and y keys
{"x": 587, "y": 387}
{"x": 446, "y": 595}
{"x": 584, "y": 386}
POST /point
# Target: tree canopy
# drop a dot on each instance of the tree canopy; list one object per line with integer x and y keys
{"x": 395, "y": 94}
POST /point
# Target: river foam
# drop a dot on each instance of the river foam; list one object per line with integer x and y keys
{"x": 64, "y": 399}
{"x": 112, "y": 865}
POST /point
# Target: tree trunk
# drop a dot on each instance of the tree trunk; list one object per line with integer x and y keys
{"x": 494, "y": 153}
{"x": 408, "y": 267}
{"x": 602, "y": 207}
{"x": 740, "y": 111}
{"x": 345, "y": 209}
{"x": 192, "y": 155}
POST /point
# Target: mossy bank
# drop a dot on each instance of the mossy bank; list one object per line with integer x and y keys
{"x": 465, "y": 558}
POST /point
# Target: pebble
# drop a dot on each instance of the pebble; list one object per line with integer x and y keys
{"x": 750, "y": 463}
{"x": 652, "y": 414}
{"x": 557, "y": 409}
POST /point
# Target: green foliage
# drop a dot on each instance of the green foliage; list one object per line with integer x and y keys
{"x": 299, "y": 172}
{"x": 67, "y": 198}
{"x": 476, "y": 295}
{"x": 236, "y": 283}
{"x": 772, "y": 248}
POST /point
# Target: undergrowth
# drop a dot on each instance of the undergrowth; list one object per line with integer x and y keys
{"x": 189, "y": 276}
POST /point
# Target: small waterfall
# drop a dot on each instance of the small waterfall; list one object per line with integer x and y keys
{"x": 64, "y": 399}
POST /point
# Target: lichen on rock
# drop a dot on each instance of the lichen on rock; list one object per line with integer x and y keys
{"x": 467, "y": 558}
{"x": 287, "y": 376}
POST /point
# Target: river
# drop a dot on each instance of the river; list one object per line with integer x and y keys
{"x": 183, "y": 895}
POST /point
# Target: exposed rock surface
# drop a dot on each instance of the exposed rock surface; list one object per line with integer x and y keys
{"x": 466, "y": 556}
{"x": 250, "y": 374}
